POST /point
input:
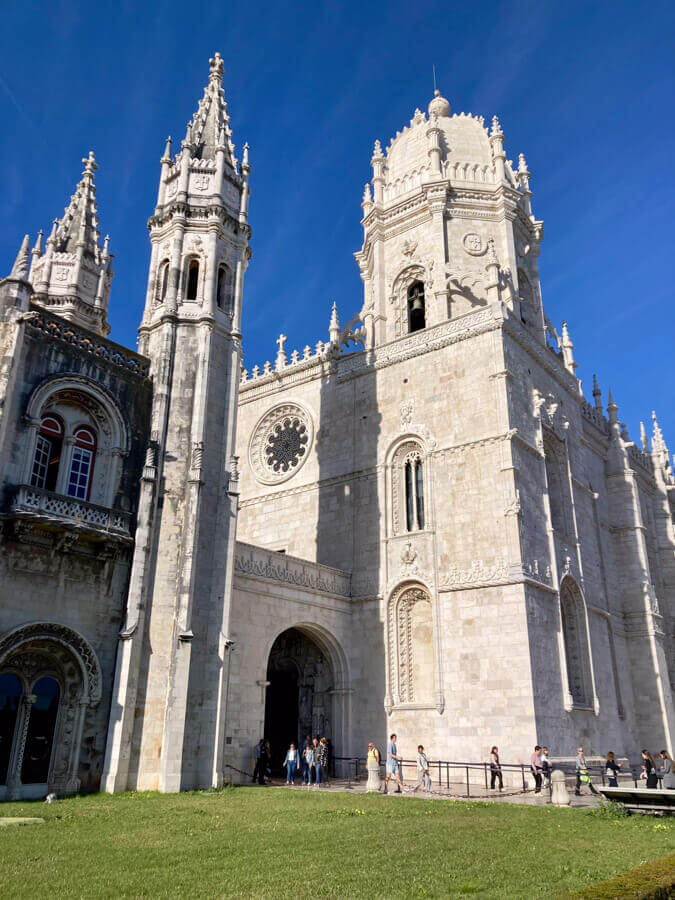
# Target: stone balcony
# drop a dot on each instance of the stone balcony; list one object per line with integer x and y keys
{"x": 57, "y": 509}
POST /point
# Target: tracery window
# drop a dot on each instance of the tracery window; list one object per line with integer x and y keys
{"x": 416, "y": 307}
{"x": 575, "y": 638}
{"x": 559, "y": 497}
{"x": 223, "y": 288}
{"x": 162, "y": 281}
{"x": 81, "y": 464}
{"x": 11, "y": 690}
{"x": 192, "y": 283}
{"x": 411, "y": 648}
{"x": 47, "y": 456}
{"x": 414, "y": 493}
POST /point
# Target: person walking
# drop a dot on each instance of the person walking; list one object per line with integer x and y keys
{"x": 649, "y": 770}
{"x": 536, "y": 767}
{"x": 612, "y": 769}
{"x": 393, "y": 759}
{"x": 373, "y": 767}
{"x": 423, "y": 775}
{"x": 263, "y": 762}
{"x": 546, "y": 766}
{"x": 582, "y": 773}
{"x": 303, "y": 763}
{"x": 320, "y": 761}
{"x": 308, "y": 759}
{"x": 666, "y": 771}
{"x": 257, "y": 750}
{"x": 495, "y": 769}
{"x": 291, "y": 763}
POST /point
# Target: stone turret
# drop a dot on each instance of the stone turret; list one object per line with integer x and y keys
{"x": 72, "y": 278}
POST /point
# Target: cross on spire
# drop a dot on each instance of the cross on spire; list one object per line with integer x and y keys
{"x": 281, "y": 340}
{"x": 89, "y": 163}
{"x": 216, "y": 66}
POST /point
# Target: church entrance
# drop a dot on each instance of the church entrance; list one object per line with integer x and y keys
{"x": 299, "y": 697}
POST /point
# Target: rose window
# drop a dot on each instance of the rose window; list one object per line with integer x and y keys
{"x": 286, "y": 445}
{"x": 281, "y": 443}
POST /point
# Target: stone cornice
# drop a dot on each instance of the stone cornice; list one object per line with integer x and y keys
{"x": 258, "y": 562}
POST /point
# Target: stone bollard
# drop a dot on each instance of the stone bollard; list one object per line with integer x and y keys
{"x": 374, "y": 783}
{"x": 559, "y": 794}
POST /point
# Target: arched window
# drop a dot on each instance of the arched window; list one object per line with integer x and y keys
{"x": 11, "y": 690}
{"x": 576, "y": 643}
{"x": 192, "y": 280}
{"x": 416, "y": 308}
{"x": 40, "y": 736}
{"x": 412, "y": 669}
{"x": 47, "y": 456}
{"x": 558, "y": 484}
{"x": 414, "y": 493}
{"x": 162, "y": 281}
{"x": 223, "y": 291}
{"x": 82, "y": 464}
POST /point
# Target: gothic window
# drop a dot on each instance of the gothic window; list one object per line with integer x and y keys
{"x": 414, "y": 493}
{"x": 526, "y": 296}
{"x": 408, "y": 488}
{"x": 162, "y": 281}
{"x": 47, "y": 453}
{"x": 11, "y": 690}
{"x": 411, "y": 648}
{"x": 559, "y": 497}
{"x": 192, "y": 280}
{"x": 224, "y": 285}
{"x": 416, "y": 308}
{"x": 81, "y": 464}
{"x": 576, "y": 643}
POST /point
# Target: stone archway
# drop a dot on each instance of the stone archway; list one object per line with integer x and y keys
{"x": 299, "y": 700}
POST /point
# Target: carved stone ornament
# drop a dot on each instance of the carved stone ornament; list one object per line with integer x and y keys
{"x": 406, "y": 410}
{"x": 474, "y": 244}
{"x": 201, "y": 182}
{"x": 409, "y": 248}
{"x": 281, "y": 443}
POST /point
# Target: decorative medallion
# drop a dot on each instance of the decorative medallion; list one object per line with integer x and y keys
{"x": 281, "y": 443}
{"x": 201, "y": 182}
{"x": 474, "y": 244}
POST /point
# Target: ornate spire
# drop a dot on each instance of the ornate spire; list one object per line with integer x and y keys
{"x": 658, "y": 443}
{"x": 644, "y": 440}
{"x": 211, "y": 123}
{"x": 597, "y": 393}
{"x": 21, "y": 263}
{"x": 334, "y": 327}
{"x": 567, "y": 348}
{"x": 613, "y": 410}
{"x": 79, "y": 225}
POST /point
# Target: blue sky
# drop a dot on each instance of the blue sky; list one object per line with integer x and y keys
{"x": 584, "y": 89}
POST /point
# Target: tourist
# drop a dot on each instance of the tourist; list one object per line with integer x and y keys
{"x": 612, "y": 769}
{"x": 495, "y": 769}
{"x": 291, "y": 763}
{"x": 393, "y": 760}
{"x": 320, "y": 761}
{"x": 304, "y": 772}
{"x": 582, "y": 773}
{"x": 257, "y": 750}
{"x": 268, "y": 761}
{"x": 666, "y": 771}
{"x": 536, "y": 767}
{"x": 546, "y": 766}
{"x": 373, "y": 767}
{"x": 649, "y": 770}
{"x": 263, "y": 761}
{"x": 423, "y": 776}
{"x": 308, "y": 760}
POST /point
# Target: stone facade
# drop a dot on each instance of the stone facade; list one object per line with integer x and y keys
{"x": 421, "y": 525}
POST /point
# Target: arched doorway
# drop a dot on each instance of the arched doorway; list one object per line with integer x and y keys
{"x": 300, "y": 688}
{"x": 49, "y": 676}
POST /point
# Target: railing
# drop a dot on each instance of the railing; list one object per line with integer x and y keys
{"x": 467, "y": 775}
{"x": 37, "y": 501}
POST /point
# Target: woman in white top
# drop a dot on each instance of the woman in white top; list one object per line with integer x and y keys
{"x": 291, "y": 763}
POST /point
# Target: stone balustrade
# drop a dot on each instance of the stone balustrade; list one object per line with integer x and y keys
{"x": 39, "y": 502}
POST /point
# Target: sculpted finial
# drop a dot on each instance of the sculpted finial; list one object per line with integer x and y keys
{"x": 89, "y": 163}
{"x": 216, "y": 67}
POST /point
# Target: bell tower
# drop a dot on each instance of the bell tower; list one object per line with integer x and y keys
{"x": 167, "y": 719}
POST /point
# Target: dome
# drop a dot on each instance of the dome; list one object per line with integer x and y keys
{"x": 464, "y": 142}
{"x": 439, "y": 106}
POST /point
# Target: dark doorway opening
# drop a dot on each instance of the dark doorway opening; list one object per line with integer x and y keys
{"x": 281, "y": 713}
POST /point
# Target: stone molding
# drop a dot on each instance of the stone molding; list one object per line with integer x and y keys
{"x": 34, "y": 501}
{"x": 280, "y": 567}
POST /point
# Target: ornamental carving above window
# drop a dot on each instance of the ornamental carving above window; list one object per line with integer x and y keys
{"x": 281, "y": 443}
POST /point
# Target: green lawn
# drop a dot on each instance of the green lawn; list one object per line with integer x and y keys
{"x": 268, "y": 842}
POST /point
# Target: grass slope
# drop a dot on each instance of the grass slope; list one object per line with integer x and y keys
{"x": 268, "y": 842}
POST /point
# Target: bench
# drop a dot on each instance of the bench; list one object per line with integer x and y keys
{"x": 648, "y": 800}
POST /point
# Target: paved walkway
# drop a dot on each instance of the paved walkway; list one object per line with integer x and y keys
{"x": 456, "y": 791}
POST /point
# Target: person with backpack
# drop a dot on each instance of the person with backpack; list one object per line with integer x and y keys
{"x": 612, "y": 769}
{"x": 649, "y": 770}
{"x": 582, "y": 773}
{"x": 393, "y": 760}
{"x": 495, "y": 770}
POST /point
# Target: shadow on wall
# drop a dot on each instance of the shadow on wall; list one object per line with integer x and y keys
{"x": 349, "y": 531}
